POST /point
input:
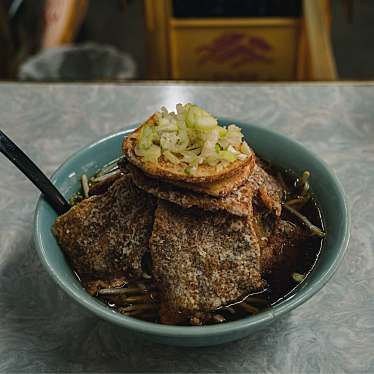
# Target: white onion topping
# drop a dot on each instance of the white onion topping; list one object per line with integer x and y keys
{"x": 189, "y": 138}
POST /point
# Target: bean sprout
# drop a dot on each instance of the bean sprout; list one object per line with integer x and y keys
{"x": 85, "y": 187}
{"x": 313, "y": 229}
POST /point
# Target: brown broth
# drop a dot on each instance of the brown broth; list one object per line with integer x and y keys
{"x": 302, "y": 259}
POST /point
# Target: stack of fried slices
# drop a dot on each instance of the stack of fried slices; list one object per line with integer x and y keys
{"x": 210, "y": 237}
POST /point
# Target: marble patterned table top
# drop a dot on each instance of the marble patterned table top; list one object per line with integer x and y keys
{"x": 43, "y": 330}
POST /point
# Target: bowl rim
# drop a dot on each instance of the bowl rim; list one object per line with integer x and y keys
{"x": 197, "y": 331}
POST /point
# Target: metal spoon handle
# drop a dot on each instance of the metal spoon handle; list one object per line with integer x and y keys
{"x": 36, "y": 176}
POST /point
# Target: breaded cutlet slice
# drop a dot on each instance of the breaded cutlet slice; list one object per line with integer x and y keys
{"x": 238, "y": 202}
{"x": 222, "y": 187}
{"x": 279, "y": 248}
{"x": 106, "y": 235}
{"x": 175, "y": 173}
{"x": 269, "y": 188}
{"x": 203, "y": 260}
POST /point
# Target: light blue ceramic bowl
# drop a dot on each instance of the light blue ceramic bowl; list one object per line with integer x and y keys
{"x": 275, "y": 147}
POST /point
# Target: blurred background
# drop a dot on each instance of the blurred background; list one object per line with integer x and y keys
{"x": 209, "y": 40}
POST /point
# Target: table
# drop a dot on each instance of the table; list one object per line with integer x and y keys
{"x": 42, "y": 329}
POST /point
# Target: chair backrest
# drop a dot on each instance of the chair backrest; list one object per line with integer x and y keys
{"x": 316, "y": 59}
{"x": 265, "y": 48}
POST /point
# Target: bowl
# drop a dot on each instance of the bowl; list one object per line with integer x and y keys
{"x": 275, "y": 147}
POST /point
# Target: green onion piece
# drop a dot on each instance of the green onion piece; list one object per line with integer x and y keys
{"x": 191, "y": 170}
{"x": 199, "y": 118}
{"x": 146, "y": 138}
{"x": 170, "y": 157}
{"x": 244, "y": 148}
{"x": 152, "y": 154}
{"x": 297, "y": 277}
{"x": 226, "y": 155}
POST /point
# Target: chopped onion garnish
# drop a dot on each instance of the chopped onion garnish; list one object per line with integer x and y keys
{"x": 189, "y": 138}
{"x": 170, "y": 157}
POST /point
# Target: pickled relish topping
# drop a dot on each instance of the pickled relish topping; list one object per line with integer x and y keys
{"x": 189, "y": 138}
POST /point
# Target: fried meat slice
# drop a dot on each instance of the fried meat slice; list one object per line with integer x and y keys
{"x": 203, "y": 260}
{"x": 106, "y": 235}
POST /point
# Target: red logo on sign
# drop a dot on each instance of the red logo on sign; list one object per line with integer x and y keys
{"x": 236, "y": 49}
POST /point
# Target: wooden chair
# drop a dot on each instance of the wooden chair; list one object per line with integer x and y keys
{"x": 240, "y": 48}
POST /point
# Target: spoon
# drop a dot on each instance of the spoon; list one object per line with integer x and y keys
{"x": 36, "y": 176}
